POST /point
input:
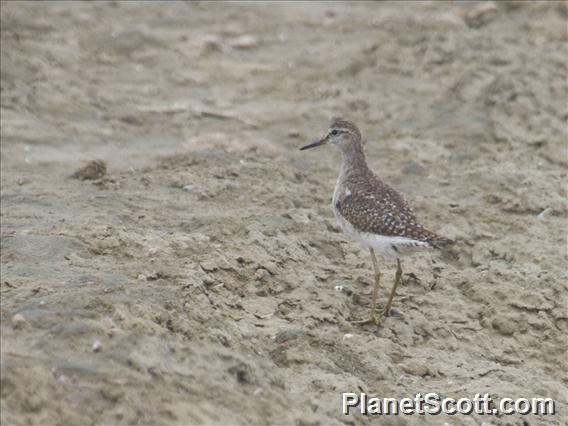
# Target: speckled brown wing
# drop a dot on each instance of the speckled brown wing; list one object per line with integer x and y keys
{"x": 372, "y": 206}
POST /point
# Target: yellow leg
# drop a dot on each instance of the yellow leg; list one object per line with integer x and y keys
{"x": 373, "y": 317}
{"x": 398, "y": 276}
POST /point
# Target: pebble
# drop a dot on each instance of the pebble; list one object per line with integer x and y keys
{"x": 19, "y": 321}
{"x": 209, "y": 265}
{"x": 97, "y": 345}
{"x": 62, "y": 379}
{"x": 395, "y": 312}
{"x": 544, "y": 213}
{"x": 416, "y": 369}
{"x": 208, "y": 281}
{"x": 93, "y": 170}
{"x": 23, "y": 181}
{"x": 505, "y": 326}
{"x": 153, "y": 251}
{"x": 113, "y": 394}
{"x": 261, "y": 274}
{"x": 244, "y": 42}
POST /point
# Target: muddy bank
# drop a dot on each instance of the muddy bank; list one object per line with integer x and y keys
{"x": 196, "y": 280}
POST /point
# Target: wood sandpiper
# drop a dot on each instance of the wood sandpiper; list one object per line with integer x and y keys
{"x": 371, "y": 212}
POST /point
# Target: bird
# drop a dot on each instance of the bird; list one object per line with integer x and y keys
{"x": 373, "y": 213}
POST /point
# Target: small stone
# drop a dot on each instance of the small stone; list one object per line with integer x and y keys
{"x": 188, "y": 188}
{"x": 208, "y": 281}
{"x": 19, "y": 321}
{"x": 153, "y": 251}
{"x": 338, "y": 288}
{"x": 395, "y": 312}
{"x": 244, "y": 42}
{"x": 62, "y": 379}
{"x": 23, "y": 181}
{"x": 153, "y": 276}
{"x": 93, "y": 170}
{"x": 113, "y": 394}
{"x": 416, "y": 369}
{"x": 261, "y": 274}
{"x": 504, "y": 325}
{"x": 142, "y": 277}
{"x": 97, "y": 345}
{"x": 209, "y": 265}
{"x": 544, "y": 213}
{"x": 243, "y": 373}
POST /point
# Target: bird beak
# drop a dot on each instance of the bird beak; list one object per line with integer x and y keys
{"x": 314, "y": 144}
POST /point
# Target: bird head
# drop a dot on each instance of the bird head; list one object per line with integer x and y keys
{"x": 341, "y": 133}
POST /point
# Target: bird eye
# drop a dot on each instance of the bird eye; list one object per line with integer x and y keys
{"x": 334, "y": 132}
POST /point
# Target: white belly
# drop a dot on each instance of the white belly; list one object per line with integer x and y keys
{"x": 386, "y": 246}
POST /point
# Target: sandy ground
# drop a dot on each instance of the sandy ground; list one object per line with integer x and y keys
{"x": 195, "y": 283}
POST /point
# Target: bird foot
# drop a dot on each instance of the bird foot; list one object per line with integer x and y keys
{"x": 373, "y": 319}
{"x": 377, "y": 319}
{"x": 366, "y": 321}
